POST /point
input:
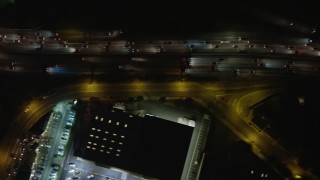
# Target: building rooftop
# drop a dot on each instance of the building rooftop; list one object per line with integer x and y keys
{"x": 147, "y": 145}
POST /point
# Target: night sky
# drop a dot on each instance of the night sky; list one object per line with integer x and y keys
{"x": 140, "y": 16}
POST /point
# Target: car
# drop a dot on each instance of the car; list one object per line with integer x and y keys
{"x": 252, "y": 71}
{"x": 60, "y": 152}
{"x": 41, "y": 38}
{"x": 71, "y": 171}
{"x": 290, "y": 70}
{"x": 316, "y": 69}
{"x": 289, "y": 47}
{"x": 186, "y": 61}
{"x": 55, "y": 37}
{"x": 21, "y": 37}
{"x": 134, "y": 50}
{"x": 236, "y": 71}
{"x": 12, "y": 66}
{"x": 128, "y": 44}
{"x": 212, "y": 67}
{"x": 261, "y": 65}
{"x": 70, "y": 120}
{"x": 72, "y": 164}
{"x": 108, "y": 34}
{"x": 215, "y": 46}
{"x": 90, "y": 176}
{"x": 78, "y": 50}
{"x": 53, "y": 174}
{"x": 41, "y": 46}
{"x": 41, "y": 42}
{"x": 287, "y": 66}
{"x": 66, "y": 136}
{"x": 234, "y": 46}
{"x": 160, "y": 49}
{"x": 290, "y": 62}
{"x": 242, "y": 51}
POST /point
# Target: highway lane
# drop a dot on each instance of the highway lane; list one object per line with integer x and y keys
{"x": 95, "y": 43}
{"x": 200, "y": 65}
{"x": 246, "y": 67}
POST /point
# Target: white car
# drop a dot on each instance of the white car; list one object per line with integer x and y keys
{"x": 72, "y": 164}
{"x": 90, "y": 176}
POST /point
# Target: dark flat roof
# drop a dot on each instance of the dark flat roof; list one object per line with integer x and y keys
{"x": 147, "y": 145}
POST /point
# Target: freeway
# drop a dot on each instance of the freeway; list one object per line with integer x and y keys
{"x": 46, "y": 42}
{"x": 248, "y": 65}
{"x": 37, "y": 51}
{"x": 263, "y": 145}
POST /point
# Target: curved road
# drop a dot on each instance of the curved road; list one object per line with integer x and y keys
{"x": 263, "y": 145}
